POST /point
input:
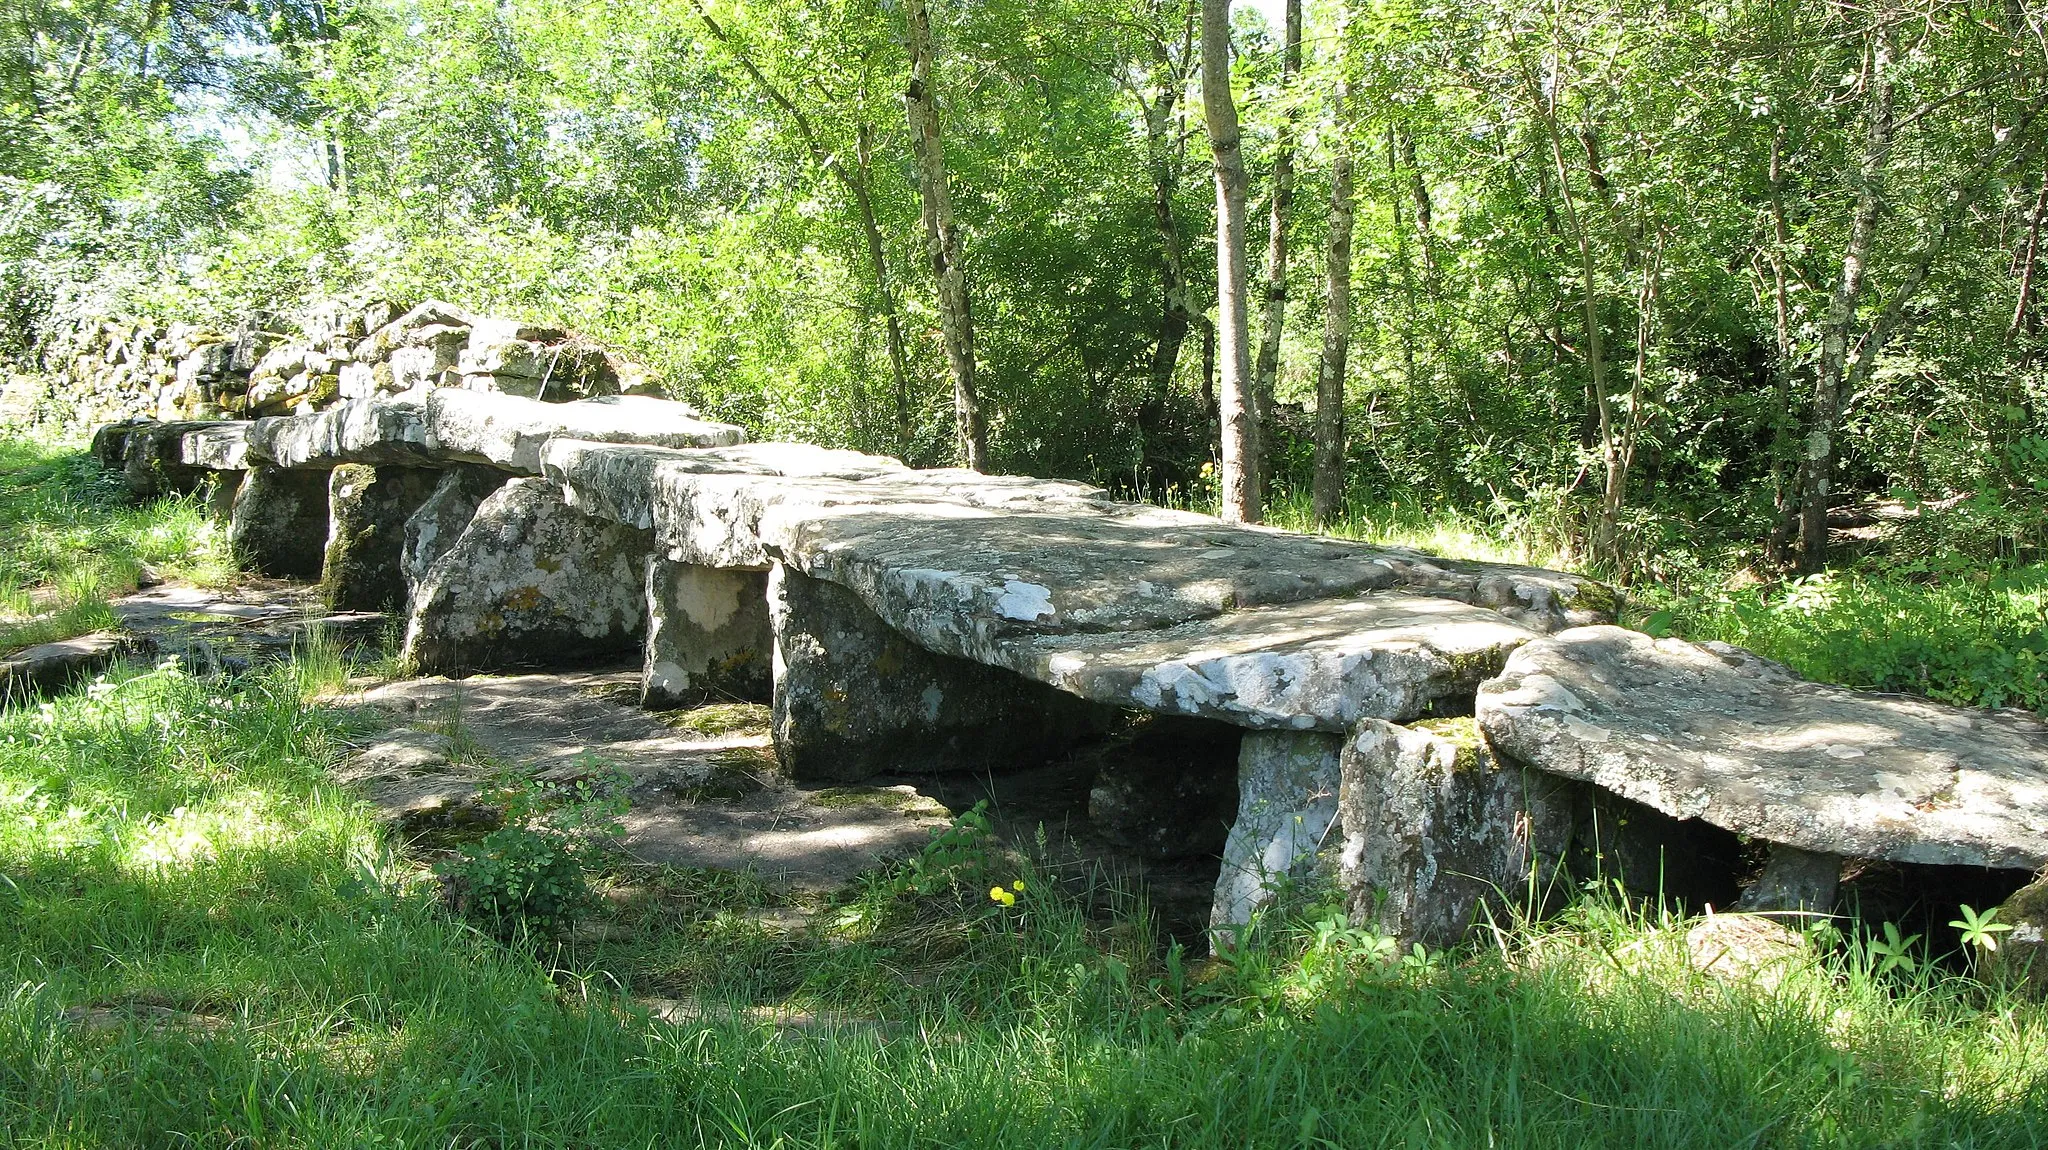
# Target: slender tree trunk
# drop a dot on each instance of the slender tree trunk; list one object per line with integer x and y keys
{"x": 1327, "y": 495}
{"x": 1595, "y": 350}
{"x": 1425, "y": 215}
{"x": 1783, "y": 488}
{"x": 1241, "y": 502}
{"x": 2029, "y": 259}
{"x": 885, "y": 288}
{"x": 1159, "y": 102}
{"x": 1819, "y": 459}
{"x": 1273, "y": 315}
{"x": 942, "y": 235}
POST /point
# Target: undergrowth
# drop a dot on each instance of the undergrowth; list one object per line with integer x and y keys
{"x": 209, "y": 943}
{"x": 69, "y": 540}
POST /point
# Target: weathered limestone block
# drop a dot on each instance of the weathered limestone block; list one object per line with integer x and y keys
{"x": 523, "y": 386}
{"x": 854, "y": 698}
{"x": 369, "y": 508}
{"x": 153, "y": 460}
{"x": 55, "y": 666}
{"x": 508, "y": 431}
{"x": 1170, "y": 791}
{"x": 2022, "y": 954}
{"x": 1717, "y": 734}
{"x": 1435, "y": 827}
{"x": 708, "y": 636}
{"x": 279, "y": 523}
{"x": 1795, "y": 880}
{"x": 521, "y": 357}
{"x": 440, "y": 520}
{"x": 217, "y": 446}
{"x": 1287, "y": 784}
{"x": 110, "y": 442}
{"x": 530, "y": 582}
{"x": 385, "y": 429}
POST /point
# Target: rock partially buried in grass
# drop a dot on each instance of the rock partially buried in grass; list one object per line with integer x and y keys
{"x": 2021, "y": 956}
{"x": 1745, "y": 948}
{"x": 52, "y": 667}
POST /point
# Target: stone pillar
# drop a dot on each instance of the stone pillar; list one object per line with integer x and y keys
{"x": 1435, "y": 826}
{"x": 708, "y": 636}
{"x": 854, "y": 698}
{"x": 279, "y": 523}
{"x": 1795, "y": 880}
{"x": 368, "y": 508}
{"x": 1286, "y": 800}
{"x": 221, "y": 489}
{"x": 437, "y": 523}
{"x": 530, "y": 583}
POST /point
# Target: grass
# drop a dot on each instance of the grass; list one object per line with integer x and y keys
{"x": 209, "y": 943}
{"x": 69, "y": 541}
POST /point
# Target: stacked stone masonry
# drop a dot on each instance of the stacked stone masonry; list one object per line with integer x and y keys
{"x": 1446, "y": 739}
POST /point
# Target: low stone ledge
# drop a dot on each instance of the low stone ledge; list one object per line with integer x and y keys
{"x": 1715, "y": 733}
{"x": 384, "y": 430}
{"x": 52, "y": 667}
{"x": 218, "y": 446}
{"x": 509, "y": 431}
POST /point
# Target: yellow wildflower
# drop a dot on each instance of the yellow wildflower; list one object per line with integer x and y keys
{"x": 1018, "y": 885}
{"x": 997, "y": 894}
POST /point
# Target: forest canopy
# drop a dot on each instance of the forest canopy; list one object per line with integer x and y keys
{"x": 1646, "y": 279}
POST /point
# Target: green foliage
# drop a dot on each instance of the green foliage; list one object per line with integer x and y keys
{"x": 958, "y": 856}
{"x": 530, "y": 873}
{"x": 1965, "y": 635}
{"x": 69, "y": 540}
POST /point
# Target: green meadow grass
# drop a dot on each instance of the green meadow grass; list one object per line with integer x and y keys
{"x": 69, "y": 541}
{"x": 208, "y": 943}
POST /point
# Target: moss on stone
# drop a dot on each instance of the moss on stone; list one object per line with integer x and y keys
{"x": 902, "y": 799}
{"x": 718, "y": 720}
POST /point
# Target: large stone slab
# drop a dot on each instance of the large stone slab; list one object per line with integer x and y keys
{"x": 1717, "y": 734}
{"x": 153, "y": 459}
{"x": 218, "y": 446}
{"x": 438, "y": 522}
{"x": 1122, "y": 604}
{"x": 508, "y": 431}
{"x": 1437, "y": 831}
{"x": 53, "y": 666}
{"x": 855, "y": 698}
{"x": 278, "y": 526}
{"x": 530, "y": 582}
{"x": 382, "y": 429}
{"x": 368, "y": 511}
{"x": 1287, "y": 784}
{"x": 708, "y": 636}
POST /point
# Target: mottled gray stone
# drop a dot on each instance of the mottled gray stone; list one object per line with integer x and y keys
{"x": 530, "y": 582}
{"x": 508, "y": 431}
{"x": 1746, "y": 948}
{"x": 55, "y": 666}
{"x": 708, "y": 636}
{"x": 1717, "y": 734}
{"x": 217, "y": 446}
{"x": 1121, "y": 604}
{"x": 153, "y": 459}
{"x": 439, "y": 521}
{"x": 1795, "y": 880}
{"x": 368, "y": 510}
{"x": 1287, "y": 784}
{"x": 1170, "y": 790}
{"x": 1436, "y": 829}
{"x": 2022, "y": 954}
{"x": 279, "y": 523}
{"x": 382, "y": 429}
{"x": 854, "y": 698}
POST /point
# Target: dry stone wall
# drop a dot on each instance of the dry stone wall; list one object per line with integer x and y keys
{"x": 105, "y": 370}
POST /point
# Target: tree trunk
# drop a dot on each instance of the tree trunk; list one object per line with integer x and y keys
{"x": 1819, "y": 460}
{"x": 942, "y": 235}
{"x": 1241, "y": 502}
{"x": 1274, "y": 314}
{"x": 1783, "y": 495}
{"x": 1327, "y": 495}
{"x": 1159, "y": 102}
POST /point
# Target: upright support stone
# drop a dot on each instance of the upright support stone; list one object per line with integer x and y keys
{"x": 1287, "y": 784}
{"x": 531, "y": 582}
{"x": 708, "y": 635}
{"x": 279, "y": 523}
{"x": 221, "y": 489}
{"x": 369, "y": 508}
{"x": 854, "y": 698}
{"x": 1795, "y": 880}
{"x": 438, "y": 522}
{"x": 1435, "y": 826}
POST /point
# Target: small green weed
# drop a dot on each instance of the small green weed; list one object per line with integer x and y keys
{"x": 529, "y": 875}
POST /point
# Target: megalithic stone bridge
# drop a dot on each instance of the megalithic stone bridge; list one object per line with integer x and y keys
{"x": 931, "y": 620}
